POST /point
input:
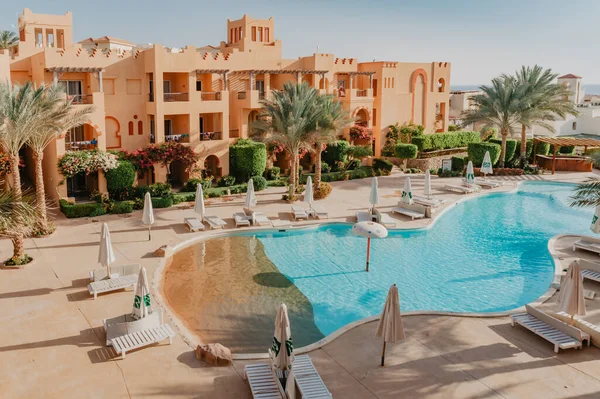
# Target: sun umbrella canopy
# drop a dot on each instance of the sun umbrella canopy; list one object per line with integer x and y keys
{"x": 199, "y": 202}
{"x": 142, "y": 305}
{"x": 427, "y": 190}
{"x": 308, "y": 192}
{"x": 595, "y": 227}
{"x": 106, "y": 255}
{"x": 250, "y": 196}
{"x": 282, "y": 349}
{"x": 571, "y": 298}
{"x": 370, "y": 230}
{"x": 470, "y": 174}
{"x": 374, "y": 197}
{"x": 407, "y": 197}
{"x": 390, "y": 324}
{"x": 148, "y": 213}
{"x": 486, "y": 165}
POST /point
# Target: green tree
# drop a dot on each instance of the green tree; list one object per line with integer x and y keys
{"x": 8, "y": 39}
{"x": 17, "y": 218}
{"x": 500, "y": 105}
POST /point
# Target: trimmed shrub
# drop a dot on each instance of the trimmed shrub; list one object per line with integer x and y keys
{"x": 542, "y": 148}
{"x": 448, "y": 173}
{"x": 477, "y": 151}
{"x": 323, "y": 191}
{"x": 273, "y": 173}
{"x": 440, "y": 141}
{"x": 122, "y": 207}
{"x": 120, "y": 179}
{"x": 138, "y": 204}
{"x": 247, "y": 158}
{"x": 162, "y": 202}
{"x": 452, "y": 128}
{"x": 354, "y": 164}
{"x": 459, "y": 163}
{"x": 358, "y": 151}
{"x": 335, "y": 152}
{"x": 382, "y": 167}
{"x": 226, "y": 181}
{"x": 325, "y": 168}
{"x": 191, "y": 185}
{"x": 259, "y": 183}
{"x": 72, "y": 210}
{"x": 406, "y": 151}
{"x": 511, "y": 149}
{"x": 565, "y": 150}
{"x": 529, "y": 149}
{"x": 155, "y": 190}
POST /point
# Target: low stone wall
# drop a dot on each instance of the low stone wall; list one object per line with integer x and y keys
{"x": 423, "y": 163}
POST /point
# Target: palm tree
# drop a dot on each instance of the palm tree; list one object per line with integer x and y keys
{"x": 8, "y": 39}
{"x": 587, "y": 194}
{"x": 57, "y": 116}
{"x": 288, "y": 118}
{"x": 17, "y": 218}
{"x": 333, "y": 119}
{"x": 499, "y": 105}
{"x": 544, "y": 101}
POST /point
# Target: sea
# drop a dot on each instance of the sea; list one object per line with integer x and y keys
{"x": 589, "y": 88}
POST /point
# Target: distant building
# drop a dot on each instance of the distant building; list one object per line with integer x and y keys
{"x": 106, "y": 43}
{"x": 461, "y": 101}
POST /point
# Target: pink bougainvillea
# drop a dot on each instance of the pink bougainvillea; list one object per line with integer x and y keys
{"x": 358, "y": 132}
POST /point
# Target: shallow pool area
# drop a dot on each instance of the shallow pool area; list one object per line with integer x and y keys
{"x": 484, "y": 254}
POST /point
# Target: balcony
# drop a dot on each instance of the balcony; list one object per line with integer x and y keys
{"x": 361, "y": 93}
{"x": 251, "y": 98}
{"x": 178, "y": 138}
{"x": 211, "y": 96}
{"x": 81, "y": 145}
{"x": 211, "y": 136}
{"x": 80, "y": 99}
{"x": 175, "y": 97}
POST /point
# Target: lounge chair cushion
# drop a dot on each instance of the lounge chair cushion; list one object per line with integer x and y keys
{"x": 193, "y": 224}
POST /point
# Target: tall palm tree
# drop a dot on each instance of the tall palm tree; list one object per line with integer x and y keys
{"x": 333, "y": 119}
{"x": 288, "y": 118}
{"x": 57, "y": 116}
{"x": 587, "y": 194}
{"x": 8, "y": 39}
{"x": 543, "y": 101}
{"x": 17, "y": 218}
{"x": 499, "y": 105}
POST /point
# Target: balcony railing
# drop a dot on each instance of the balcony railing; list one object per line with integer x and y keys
{"x": 211, "y": 96}
{"x": 361, "y": 93}
{"x": 234, "y": 133}
{"x": 80, "y": 99}
{"x": 210, "y": 136}
{"x": 261, "y": 95}
{"x": 169, "y": 97}
{"x": 241, "y": 95}
{"x": 178, "y": 138}
{"x": 81, "y": 145}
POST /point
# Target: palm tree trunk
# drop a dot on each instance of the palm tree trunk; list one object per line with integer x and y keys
{"x": 40, "y": 194}
{"x": 293, "y": 174}
{"x": 503, "y": 134}
{"x": 523, "y": 146}
{"x": 18, "y": 242}
{"x": 318, "y": 169}
{"x": 14, "y": 165}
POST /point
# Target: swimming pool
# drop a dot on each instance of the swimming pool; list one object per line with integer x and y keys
{"x": 487, "y": 254}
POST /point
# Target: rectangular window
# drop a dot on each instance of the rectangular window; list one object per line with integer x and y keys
{"x": 198, "y": 85}
{"x": 39, "y": 38}
{"x": 267, "y": 35}
{"x": 342, "y": 84}
{"x": 230, "y": 35}
{"x": 134, "y": 86}
{"x": 166, "y": 86}
{"x": 73, "y": 89}
{"x": 201, "y": 121}
{"x": 374, "y": 116}
{"x": 239, "y": 33}
{"x": 393, "y": 82}
{"x": 574, "y": 125}
{"x": 49, "y": 38}
{"x": 260, "y": 86}
{"x": 254, "y": 33}
{"x": 260, "y": 34}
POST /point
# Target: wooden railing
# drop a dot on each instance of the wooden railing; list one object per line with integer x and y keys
{"x": 175, "y": 97}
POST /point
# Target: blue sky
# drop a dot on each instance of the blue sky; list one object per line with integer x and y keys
{"x": 481, "y": 38}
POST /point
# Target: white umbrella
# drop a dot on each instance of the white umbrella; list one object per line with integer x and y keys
{"x": 486, "y": 165}
{"x": 571, "y": 300}
{"x": 148, "y": 214}
{"x": 390, "y": 324}
{"x": 470, "y": 174}
{"x": 199, "y": 202}
{"x": 427, "y": 190}
{"x": 250, "y": 196}
{"x": 374, "y": 197}
{"x": 142, "y": 305}
{"x": 595, "y": 226}
{"x": 308, "y": 192}
{"x": 106, "y": 255}
{"x": 407, "y": 193}
{"x": 369, "y": 230}
{"x": 282, "y": 349}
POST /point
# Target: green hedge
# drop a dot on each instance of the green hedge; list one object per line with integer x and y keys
{"x": 247, "y": 158}
{"x": 120, "y": 179}
{"x": 406, "y": 151}
{"x": 259, "y": 183}
{"x": 477, "y": 151}
{"x": 360, "y": 173}
{"x": 155, "y": 190}
{"x": 382, "y": 166}
{"x": 335, "y": 152}
{"x": 459, "y": 163}
{"x": 72, "y": 210}
{"x": 542, "y": 148}
{"x": 565, "y": 149}
{"x": 162, "y": 202}
{"x": 191, "y": 185}
{"x": 122, "y": 207}
{"x": 511, "y": 149}
{"x": 440, "y": 141}
{"x": 359, "y": 151}
{"x": 273, "y": 173}
{"x": 529, "y": 149}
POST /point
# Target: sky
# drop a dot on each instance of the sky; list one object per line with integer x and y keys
{"x": 481, "y": 38}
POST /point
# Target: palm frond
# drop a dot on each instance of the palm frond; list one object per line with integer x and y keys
{"x": 587, "y": 194}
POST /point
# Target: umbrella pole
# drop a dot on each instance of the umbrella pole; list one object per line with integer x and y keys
{"x": 383, "y": 355}
{"x": 368, "y": 251}
{"x": 149, "y": 234}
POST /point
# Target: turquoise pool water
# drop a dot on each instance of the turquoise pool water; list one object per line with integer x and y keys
{"x": 487, "y": 254}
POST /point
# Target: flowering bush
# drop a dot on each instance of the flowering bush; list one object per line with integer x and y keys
{"x": 164, "y": 153}
{"x": 86, "y": 161}
{"x": 5, "y": 167}
{"x": 358, "y": 132}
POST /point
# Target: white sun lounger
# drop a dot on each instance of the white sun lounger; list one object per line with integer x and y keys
{"x": 408, "y": 212}
{"x": 193, "y": 224}
{"x": 112, "y": 284}
{"x": 123, "y": 270}
{"x": 461, "y": 189}
{"x": 215, "y": 222}
{"x": 320, "y": 212}
{"x": 590, "y": 244}
{"x": 562, "y": 335}
{"x": 263, "y": 382}
{"x": 434, "y": 203}
{"x": 299, "y": 213}
{"x": 309, "y": 382}
{"x": 488, "y": 183}
{"x": 142, "y": 338}
{"x": 241, "y": 219}
{"x": 385, "y": 219}
{"x": 259, "y": 219}
{"x": 362, "y": 216}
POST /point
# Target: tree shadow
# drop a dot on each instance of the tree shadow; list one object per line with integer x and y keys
{"x": 272, "y": 279}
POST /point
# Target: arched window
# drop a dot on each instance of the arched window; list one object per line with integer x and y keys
{"x": 140, "y": 128}
{"x": 130, "y": 126}
{"x": 441, "y": 85}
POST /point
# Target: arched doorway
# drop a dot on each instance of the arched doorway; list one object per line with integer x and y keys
{"x": 212, "y": 166}
{"x": 177, "y": 174}
{"x": 324, "y": 85}
{"x": 362, "y": 117}
{"x": 113, "y": 136}
{"x": 419, "y": 96}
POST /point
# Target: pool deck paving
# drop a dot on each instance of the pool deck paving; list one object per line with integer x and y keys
{"x": 52, "y": 340}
